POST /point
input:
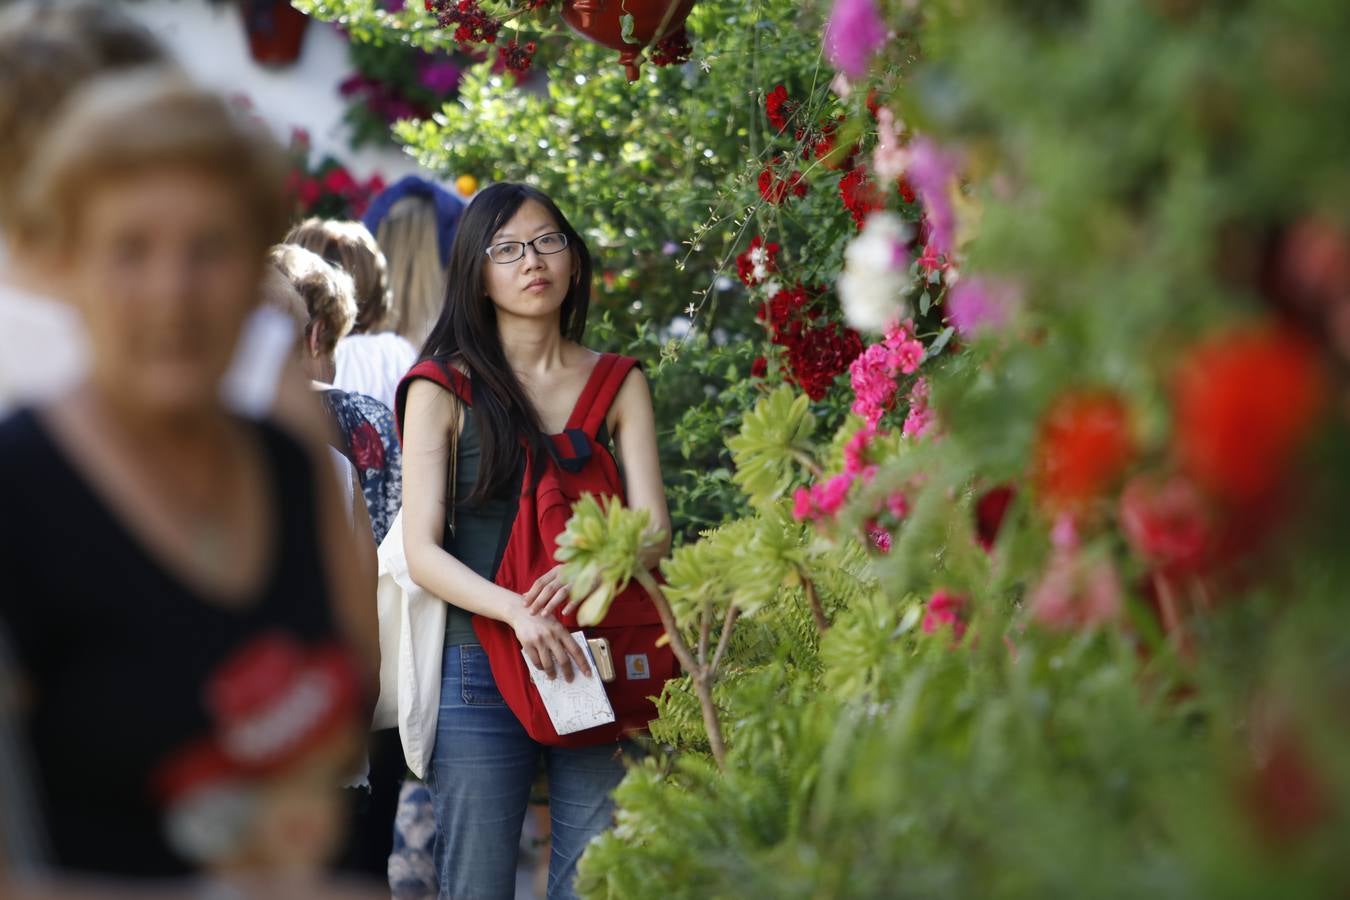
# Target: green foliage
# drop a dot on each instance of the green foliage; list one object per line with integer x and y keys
{"x": 773, "y": 449}
{"x": 600, "y": 551}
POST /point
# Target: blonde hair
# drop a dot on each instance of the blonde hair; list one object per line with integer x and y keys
{"x": 325, "y": 289}
{"x": 351, "y": 247}
{"x": 46, "y": 53}
{"x": 409, "y": 237}
{"x": 143, "y": 122}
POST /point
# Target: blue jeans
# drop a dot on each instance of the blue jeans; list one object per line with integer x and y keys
{"x": 481, "y": 771}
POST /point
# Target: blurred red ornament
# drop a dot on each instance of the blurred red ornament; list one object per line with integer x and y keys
{"x": 276, "y": 30}
{"x": 1243, "y": 403}
{"x": 602, "y": 22}
{"x": 1084, "y": 445}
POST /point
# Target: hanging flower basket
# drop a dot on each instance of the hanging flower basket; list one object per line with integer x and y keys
{"x": 629, "y": 26}
{"x": 276, "y": 30}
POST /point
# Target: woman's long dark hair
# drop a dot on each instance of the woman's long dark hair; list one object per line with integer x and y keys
{"x": 466, "y": 332}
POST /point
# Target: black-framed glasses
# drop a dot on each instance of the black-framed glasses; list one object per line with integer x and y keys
{"x": 512, "y": 251}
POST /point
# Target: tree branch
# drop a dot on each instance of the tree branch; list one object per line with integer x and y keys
{"x": 698, "y": 673}
{"x": 704, "y": 626}
{"x": 817, "y": 611}
{"x": 723, "y": 640}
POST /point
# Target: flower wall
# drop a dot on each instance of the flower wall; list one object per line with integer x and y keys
{"x": 1001, "y": 350}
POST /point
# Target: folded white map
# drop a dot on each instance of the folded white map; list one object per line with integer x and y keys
{"x": 578, "y": 704}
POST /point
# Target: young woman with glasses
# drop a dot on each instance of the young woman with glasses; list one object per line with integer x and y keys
{"x": 519, "y": 287}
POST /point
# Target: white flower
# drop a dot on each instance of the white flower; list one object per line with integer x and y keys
{"x": 772, "y": 286}
{"x": 875, "y": 274}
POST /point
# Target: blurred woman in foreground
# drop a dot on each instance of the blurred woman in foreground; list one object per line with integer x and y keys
{"x": 178, "y": 589}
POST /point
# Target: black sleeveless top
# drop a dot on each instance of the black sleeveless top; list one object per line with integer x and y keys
{"x": 121, "y": 660}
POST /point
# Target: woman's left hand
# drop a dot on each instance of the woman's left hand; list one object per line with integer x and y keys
{"x": 549, "y": 593}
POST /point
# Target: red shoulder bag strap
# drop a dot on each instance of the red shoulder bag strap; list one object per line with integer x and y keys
{"x": 442, "y": 373}
{"x": 601, "y": 389}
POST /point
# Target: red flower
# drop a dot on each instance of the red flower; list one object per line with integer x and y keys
{"x": 774, "y": 189}
{"x": 757, "y": 262}
{"x": 759, "y": 368}
{"x": 672, "y": 49}
{"x": 367, "y": 448}
{"x": 779, "y": 108}
{"x": 989, "y": 512}
{"x": 819, "y": 355}
{"x": 1243, "y": 403}
{"x": 517, "y": 57}
{"x": 1083, "y": 446}
{"x": 860, "y": 194}
{"x": 338, "y": 180}
{"x": 1167, "y": 523}
{"x": 906, "y": 190}
{"x": 309, "y": 192}
{"x": 471, "y": 23}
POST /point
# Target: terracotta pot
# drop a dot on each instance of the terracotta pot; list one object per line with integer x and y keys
{"x": 276, "y": 30}
{"x": 601, "y": 21}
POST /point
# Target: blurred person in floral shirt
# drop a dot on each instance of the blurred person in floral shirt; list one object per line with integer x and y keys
{"x": 365, "y": 426}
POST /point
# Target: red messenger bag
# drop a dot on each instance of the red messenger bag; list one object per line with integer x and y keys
{"x": 578, "y": 464}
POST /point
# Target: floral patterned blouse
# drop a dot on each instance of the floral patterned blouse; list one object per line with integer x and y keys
{"x": 368, "y": 438}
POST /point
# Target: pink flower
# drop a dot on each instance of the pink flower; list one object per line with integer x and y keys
{"x": 977, "y": 304}
{"x": 931, "y": 171}
{"x": 889, "y": 158}
{"x": 802, "y": 507}
{"x": 1076, "y": 594}
{"x": 945, "y": 608}
{"x": 873, "y": 373}
{"x": 921, "y": 417}
{"x": 881, "y": 539}
{"x": 830, "y": 496}
{"x": 898, "y": 504}
{"x": 853, "y": 35}
{"x": 855, "y": 451}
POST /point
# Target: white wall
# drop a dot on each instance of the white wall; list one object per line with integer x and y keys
{"x": 208, "y": 39}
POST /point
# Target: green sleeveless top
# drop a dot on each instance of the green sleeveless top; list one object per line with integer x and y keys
{"x": 481, "y": 529}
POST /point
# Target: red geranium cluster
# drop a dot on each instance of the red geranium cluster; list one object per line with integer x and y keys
{"x": 862, "y": 196}
{"x": 824, "y": 145}
{"x": 779, "y": 108}
{"x": 328, "y": 190}
{"x": 472, "y": 25}
{"x": 671, "y": 50}
{"x": 775, "y": 189}
{"x": 816, "y": 355}
{"x": 517, "y": 57}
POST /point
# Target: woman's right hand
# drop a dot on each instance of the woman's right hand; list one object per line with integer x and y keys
{"x": 549, "y": 645}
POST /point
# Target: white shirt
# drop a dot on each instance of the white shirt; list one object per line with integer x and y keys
{"x": 373, "y": 364}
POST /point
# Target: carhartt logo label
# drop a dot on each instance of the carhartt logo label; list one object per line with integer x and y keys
{"x": 637, "y": 666}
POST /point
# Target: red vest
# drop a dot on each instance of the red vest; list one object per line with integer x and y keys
{"x": 579, "y": 464}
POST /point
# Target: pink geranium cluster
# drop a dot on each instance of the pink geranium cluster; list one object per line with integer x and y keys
{"x": 873, "y": 373}
{"x": 823, "y": 500}
{"x": 921, "y": 417}
{"x": 945, "y": 609}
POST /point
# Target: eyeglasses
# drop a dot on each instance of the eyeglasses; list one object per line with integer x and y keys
{"x": 512, "y": 251}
